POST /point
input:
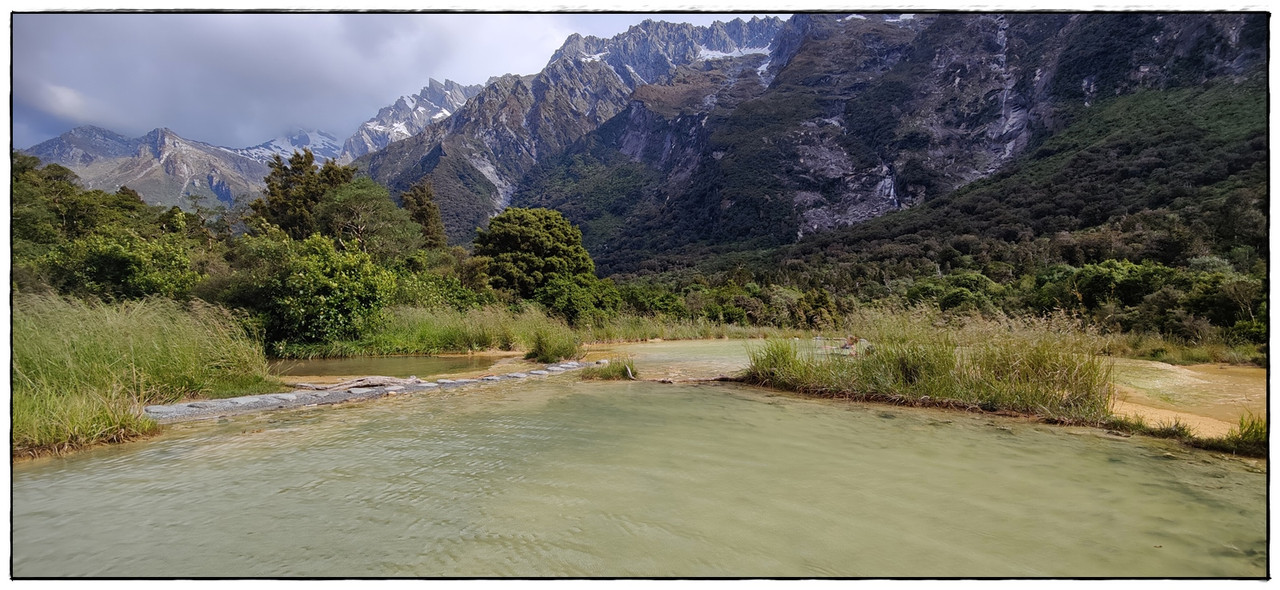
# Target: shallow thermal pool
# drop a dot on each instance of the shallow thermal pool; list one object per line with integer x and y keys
{"x": 388, "y": 366}
{"x": 559, "y": 477}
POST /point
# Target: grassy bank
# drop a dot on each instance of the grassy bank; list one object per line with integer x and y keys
{"x": 1032, "y": 366}
{"x": 636, "y": 328}
{"x": 1248, "y": 438}
{"x": 1155, "y": 347}
{"x": 83, "y": 371}
{"x": 413, "y": 330}
{"x": 1049, "y": 368}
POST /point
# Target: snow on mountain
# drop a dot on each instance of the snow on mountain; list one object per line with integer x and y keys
{"x": 704, "y": 53}
{"x": 407, "y": 117}
{"x": 324, "y": 145}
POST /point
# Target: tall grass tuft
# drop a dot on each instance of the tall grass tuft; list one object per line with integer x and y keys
{"x": 619, "y": 367}
{"x": 1248, "y": 439}
{"x": 82, "y": 371}
{"x": 554, "y": 343}
{"x": 1044, "y": 367}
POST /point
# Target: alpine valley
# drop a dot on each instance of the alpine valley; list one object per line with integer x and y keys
{"x": 986, "y": 209}
{"x": 670, "y": 143}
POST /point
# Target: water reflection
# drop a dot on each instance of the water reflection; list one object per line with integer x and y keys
{"x": 388, "y": 366}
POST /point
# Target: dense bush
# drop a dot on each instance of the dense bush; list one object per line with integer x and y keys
{"x": 307, "y": 291}
{"x": 121, "y": 265}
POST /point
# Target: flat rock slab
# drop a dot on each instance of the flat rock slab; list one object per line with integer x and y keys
{"x": 204, "y": 409}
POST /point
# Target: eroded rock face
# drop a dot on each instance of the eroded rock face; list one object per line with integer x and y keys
{"x": 163, "y": 167}
{"x": 770, "y": 131}
{"x": 849, "y": 117}
{"x": 515, "y": 122}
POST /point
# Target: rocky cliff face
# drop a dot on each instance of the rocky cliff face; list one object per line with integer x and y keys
{"x": 407, "y": 117}
{"x": 742, "y": 133}
{"x": 516, "y": 122}
{"x": 854, "y": 116}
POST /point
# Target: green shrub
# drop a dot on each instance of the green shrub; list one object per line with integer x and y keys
{"x": 121, "y": 265}
{"x": 308, "y": 291}
{"x": 578, "y": 299}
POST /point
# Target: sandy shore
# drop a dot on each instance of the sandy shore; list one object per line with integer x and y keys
{"x": 1200, "y": 425}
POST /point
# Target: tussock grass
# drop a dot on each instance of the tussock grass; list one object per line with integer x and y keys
{"x": 619, "y": 367}
{"x": 1248, "y": 439}
{"x": 1043, "y": 367}
{"x": 1136, "y": 425}
{"x": 551, "y": 344}
{"x": 82, "y": 371}
{"x": 416, "y": 330}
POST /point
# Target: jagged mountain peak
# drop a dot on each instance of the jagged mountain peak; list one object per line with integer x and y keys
{"x": 84, "y": 145}
{"x": 407, "y": 116}
{"x": 650, "y": 52}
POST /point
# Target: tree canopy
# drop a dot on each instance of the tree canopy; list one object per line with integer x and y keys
{"x": 420, "y": 202}
{"x": 529, "y": 247}
{"x": 360, "y": 214}
{"x": 295, "y": 188}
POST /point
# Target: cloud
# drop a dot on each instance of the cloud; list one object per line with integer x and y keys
{"x": 237, "y": 79}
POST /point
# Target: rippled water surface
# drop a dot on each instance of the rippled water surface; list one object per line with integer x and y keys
{"x": 556, "y": 477}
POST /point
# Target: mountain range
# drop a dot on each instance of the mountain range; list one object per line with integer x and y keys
{"x": 736, "y": 135}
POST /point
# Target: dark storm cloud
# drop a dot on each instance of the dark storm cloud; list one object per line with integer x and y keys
{"x": 229, "y": 79}
{"x": 240, "y": 79}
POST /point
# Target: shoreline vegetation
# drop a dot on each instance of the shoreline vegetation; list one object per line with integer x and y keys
{"x": 83, "y": 370}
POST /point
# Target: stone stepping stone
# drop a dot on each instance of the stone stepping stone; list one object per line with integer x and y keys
{"x": 517, "y": 375}
{"x": 491, "y": 378}
{"x": 538, "y": 372}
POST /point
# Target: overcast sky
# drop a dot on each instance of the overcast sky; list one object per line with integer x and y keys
{"x": 237, "y": 80}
